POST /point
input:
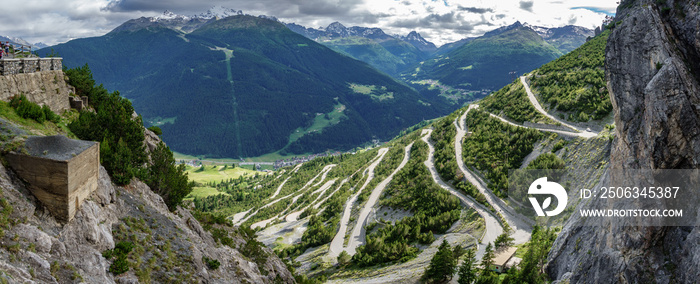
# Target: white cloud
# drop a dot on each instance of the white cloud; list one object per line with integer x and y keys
{"x": 440, "y": 21}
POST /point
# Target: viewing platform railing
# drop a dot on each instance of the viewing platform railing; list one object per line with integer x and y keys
{"x": 20, "y": 60}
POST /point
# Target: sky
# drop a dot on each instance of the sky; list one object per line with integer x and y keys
{"x": 439, "y": 21}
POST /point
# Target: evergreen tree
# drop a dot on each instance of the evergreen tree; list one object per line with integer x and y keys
{"x": 503, "y": 241}
{"x": 344, "y": 258}
{"x": 467, "y": 273}
{"x": 487, "y": 260}
{"x": 166, "y": 178}
{"x": 442, "y": 266}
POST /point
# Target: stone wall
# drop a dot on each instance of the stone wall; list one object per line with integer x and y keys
{"x": 14, "y": 66}
{"x": 56, "y": 63}
{"x": 10, "y": 66}
{"x": 44, "y": 88}
{"x": 44, "y": 64}
{"x": 29, "y": 65}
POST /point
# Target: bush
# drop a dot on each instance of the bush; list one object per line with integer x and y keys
{"x": 29, "y": 110}
{"x": 212, "y": 264}
{"x": 558, "y": 146}
{"x": 120, "y": 253}
{"x": 344, "y": 258}
{"x": 156, "y": 130}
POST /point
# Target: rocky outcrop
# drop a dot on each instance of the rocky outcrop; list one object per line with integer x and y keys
{"x": 34, "y": 248}
{"x": 44, "y": 88}
{"x": 653, "y": 74}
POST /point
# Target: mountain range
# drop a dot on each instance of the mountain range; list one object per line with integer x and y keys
{"x": 35, "y": 46}
{"x": 493, "y": 60}
{"x": 244, "y": 86}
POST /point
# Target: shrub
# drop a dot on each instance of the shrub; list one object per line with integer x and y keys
{"x": 213, "y": 264}
{"x": 558, "y": 146}
{"x": 119, "y": 253}
{"x": 29, "y": 110}
{"x": 156, "y": 130}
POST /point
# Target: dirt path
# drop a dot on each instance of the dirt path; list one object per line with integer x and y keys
{"x": 238, "y": 216}
{"x": 585, "y": 134}
{"x": 357, "y": 237}
{"x": 337, "y": 243}
{"x": 323, "y": 172}
{"x": 521, "y": 228}
{"x": 493, "y": 226}
{"x": 291, "y": 217}
{"x": 279, "y": 188}
{"x": 536, "y": 104}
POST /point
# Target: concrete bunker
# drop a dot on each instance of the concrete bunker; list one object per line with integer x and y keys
{"x": 61, "y": 172}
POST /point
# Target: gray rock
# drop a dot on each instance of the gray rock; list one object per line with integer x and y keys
{"x": 105, "y": 192}
{"x": 653, "y": 74}
{"x": 32, "y": 234}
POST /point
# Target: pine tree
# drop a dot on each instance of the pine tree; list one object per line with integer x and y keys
{"x": 487, "y": 260}
{"x": 442, "y": 266}
{"x": 466, "y": 273}
{"x": 344, "y": 258}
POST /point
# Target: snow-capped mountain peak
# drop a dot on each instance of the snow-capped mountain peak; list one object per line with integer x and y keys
{"x": 167, "y": 15}
{"x": 219, "y": 12}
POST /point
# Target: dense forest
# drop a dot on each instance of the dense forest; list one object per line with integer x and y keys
{"x": 495, "y": 147}
{"x": 575, "y": 83}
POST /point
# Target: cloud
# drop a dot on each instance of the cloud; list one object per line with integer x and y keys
{"x": 438, "y": 21}
{"x": 475, "y": 10}
{"x": 527, "y": 5}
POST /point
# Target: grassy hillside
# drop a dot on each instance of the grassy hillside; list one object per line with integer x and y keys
{"x": 243, "y": 86}
{"x": 574, "y": 84}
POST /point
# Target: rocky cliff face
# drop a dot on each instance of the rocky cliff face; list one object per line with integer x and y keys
{"x": 653, "y": 73}
{"x": 44, "y": 88}
{"x": 168, "y": 247}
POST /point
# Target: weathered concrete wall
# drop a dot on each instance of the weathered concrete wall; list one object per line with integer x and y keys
{"x": 44, "y": 88}
{"x": 48, "y": 181}
{"x": 60, "y": 185}
{"x": 83, "y": 174}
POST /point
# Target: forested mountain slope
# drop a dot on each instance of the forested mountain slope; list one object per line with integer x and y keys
{"x": 486, "y": 63}
{"x": 386, "y": 53}
{"x": 244, "y": 86}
